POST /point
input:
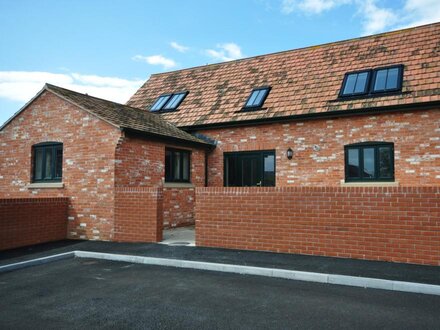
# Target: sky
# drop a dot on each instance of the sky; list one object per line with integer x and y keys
{"x": 109, "y": 48}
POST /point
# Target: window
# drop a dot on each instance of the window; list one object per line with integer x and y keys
{"x": 177, "y": 165}
{"x": 355, "y": 83}
{"x": 370, "y": 82}
{"x": 369, "y": 162}
{"x": 168, "y": 101}
{"x": 249, "y": 169}
{"x": 257, "y": 98}
{"x": 47, "y": 162}
{"x": 387, "y": 80}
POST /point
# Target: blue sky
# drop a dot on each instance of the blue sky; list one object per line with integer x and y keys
{"x": 109, "y": 48}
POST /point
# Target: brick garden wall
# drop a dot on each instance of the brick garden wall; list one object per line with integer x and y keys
{"x": 28, "y": 221}
{"x": 138, "y": 214}
{"x": 399, "y": 224}
{"x": 416, "y": 138}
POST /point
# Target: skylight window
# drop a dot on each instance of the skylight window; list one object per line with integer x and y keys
{"x": 168, "y": 101}
{"x": 368, "y": 82}
{"x": 388, "y": 79}
{"x": 257, "y": 98}
{"x": 160, "y": 102}
{"x": 356, "y": 83}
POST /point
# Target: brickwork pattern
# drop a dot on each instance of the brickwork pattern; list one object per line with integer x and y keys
{"x": 318, "y": 147}
{"x": 178, "y": 205}
{"x": 88, "y": 162}
{"x": 399, "y": 224}
{"x": 141, "y": 163}
{"x": 28, "y": 221}
{"x": 138, "y": 214}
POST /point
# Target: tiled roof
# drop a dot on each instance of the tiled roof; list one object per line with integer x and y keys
{"x": 303, "y": 81}
{"x": 123, "y": 116}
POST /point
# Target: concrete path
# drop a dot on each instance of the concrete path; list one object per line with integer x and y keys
{"x": 182, "y": 236}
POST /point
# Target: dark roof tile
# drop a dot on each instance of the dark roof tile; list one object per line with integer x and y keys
{"x": 123, "y": 116}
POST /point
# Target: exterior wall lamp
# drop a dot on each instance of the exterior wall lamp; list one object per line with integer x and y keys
{"x": 289, "y": 153}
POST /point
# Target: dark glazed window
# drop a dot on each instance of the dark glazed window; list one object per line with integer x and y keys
{"x": 168, "y": 101}
{"x": 387, "y": 79}
{"x": 257, "y": 98}
{"x": 369, "y": 162}
{"x": 47, "y": 162}
{"x": 355, "y": 83}
{"x": 249, "y": 169}
{"x": 177, "y": 165}
{"x": 372, "y": 82}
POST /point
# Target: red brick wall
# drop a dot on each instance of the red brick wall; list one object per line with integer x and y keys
{"x": 28, "y": 221}
{"x": 178, "y": 206}
{"x": 416, "y": 138}
{"x": 88, "y": 162}
{"x": 138, "y": 214}
{"x": 399, "y": 224}
{"x": 141, "y": 163}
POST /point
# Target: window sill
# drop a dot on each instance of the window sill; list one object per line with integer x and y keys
{"x": 370, "y": 184}
{"x": 45, "y": 185}
{"x": 178, "y": 185}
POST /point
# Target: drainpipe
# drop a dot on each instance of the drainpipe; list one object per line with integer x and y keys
{"x": 206, "y": 168}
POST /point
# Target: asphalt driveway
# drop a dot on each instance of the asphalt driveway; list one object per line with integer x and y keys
{"x": 80, "y": 293}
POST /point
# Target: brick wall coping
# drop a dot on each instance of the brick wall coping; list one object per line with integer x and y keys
{"x": 157, "y": 191}
{"x": 268, "y": 190}
{"x": 33, "y": 200}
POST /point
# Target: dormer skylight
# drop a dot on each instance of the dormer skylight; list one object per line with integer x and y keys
{"x": 168, "y": 101}
{"x": 257, "y": 98}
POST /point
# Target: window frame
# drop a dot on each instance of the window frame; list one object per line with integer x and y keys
{"x": 391, "y": 90}
{"x": 170, "y": 179}
{"x": 367, "y": 84}
{"x": 376, "y": 145}
{"x": 261, "y": 154}
{"x": 164, "y": 108}
{"x": 371, "y": 80}
{"x": 260, "y": 104}
{"x": 53, "y": 146}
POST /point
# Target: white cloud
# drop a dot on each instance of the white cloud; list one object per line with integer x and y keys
{"x": 419, "y": 12}
{"x": 226, "y": 52}
{"x": 21, "y": 86}
{"x": 180, "y": 48}
{"x": 375, "y": 18}
{"x": 310, "y": 6}
{"x": 166, "y": 63}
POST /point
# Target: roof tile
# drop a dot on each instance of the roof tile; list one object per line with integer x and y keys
{"x": 303, "y": 80}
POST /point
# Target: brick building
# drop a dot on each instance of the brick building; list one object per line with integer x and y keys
{"x": 354, "y": 125}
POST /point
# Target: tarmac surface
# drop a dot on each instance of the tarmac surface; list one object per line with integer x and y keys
{"x": 352, "y": 267}
{"x": 87, "y": 293}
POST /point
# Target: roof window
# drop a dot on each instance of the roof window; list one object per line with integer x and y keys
{"x": 368, "y": 82}
{"x": 168, "y": 101}
{"x": 257, "y": 98}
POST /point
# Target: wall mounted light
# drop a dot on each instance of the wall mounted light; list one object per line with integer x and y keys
{"x": 289, "y": 153}
{"x": 316, "y": 147}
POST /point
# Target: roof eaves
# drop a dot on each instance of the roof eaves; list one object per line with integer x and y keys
{"x": 170, "y": 138}
{"x": 317, "y": 115}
